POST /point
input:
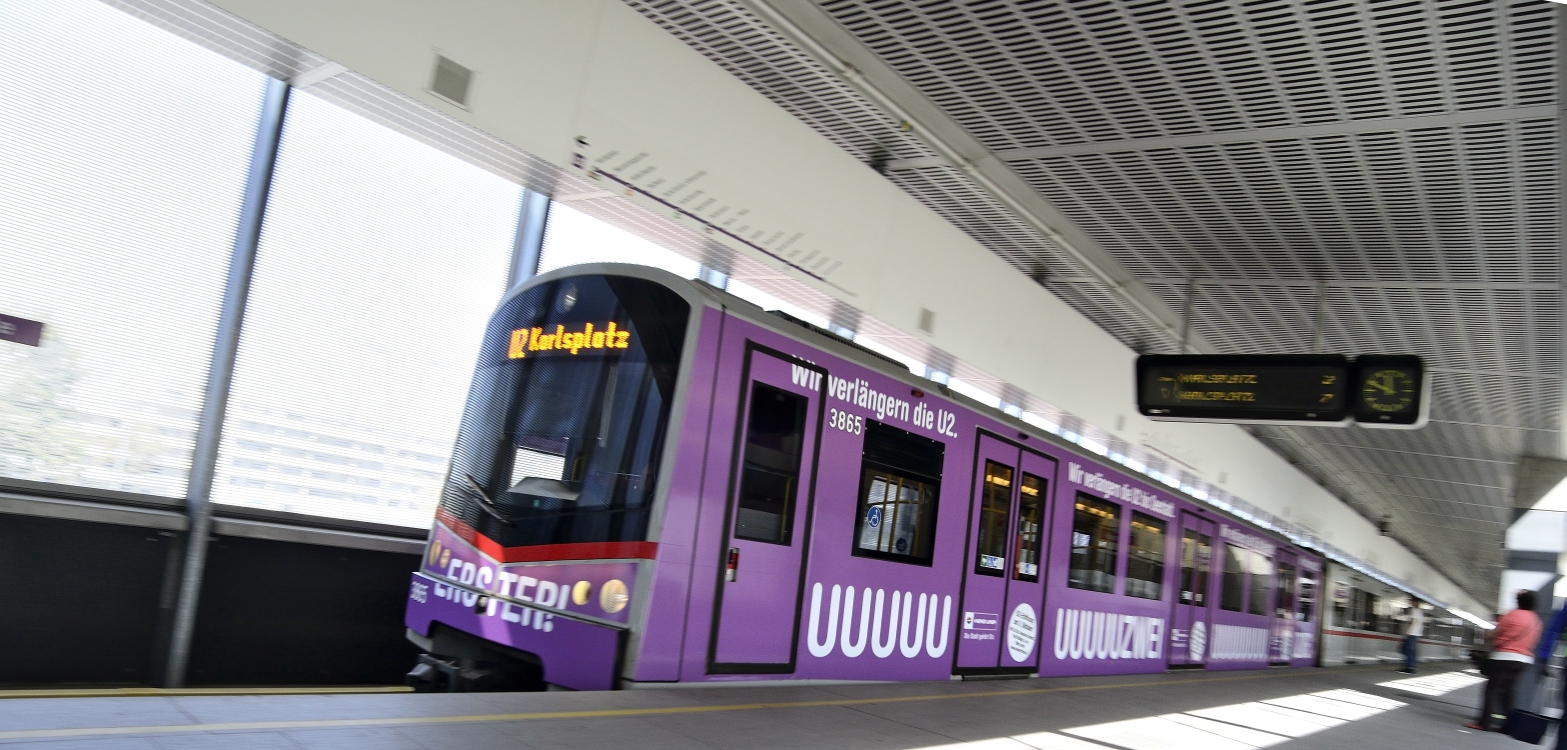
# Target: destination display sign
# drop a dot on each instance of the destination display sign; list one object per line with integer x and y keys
{"x": 1373, "y": 390}
{"x": 560, "y": 340}
{"x": 1244, "y": 388}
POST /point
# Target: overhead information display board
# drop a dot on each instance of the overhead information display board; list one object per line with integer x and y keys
{"x": 1317, "y": 389}
{"x": 1244, "y": 388}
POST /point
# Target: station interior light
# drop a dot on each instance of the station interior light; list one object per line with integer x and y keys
{"x": 1476, "y": 620}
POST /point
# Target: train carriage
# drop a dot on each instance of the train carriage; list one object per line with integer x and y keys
{"x": 657, "y": 482}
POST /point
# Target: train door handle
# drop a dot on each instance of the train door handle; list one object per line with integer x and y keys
{"x": 732, "y": 568}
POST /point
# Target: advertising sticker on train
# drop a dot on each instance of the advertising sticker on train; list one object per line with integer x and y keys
{"x": 1198, "y": 642}
{"x": 980, "y": 621}
{"x": 1022, "y": 632}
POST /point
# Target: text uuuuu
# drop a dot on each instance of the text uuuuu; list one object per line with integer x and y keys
{"x": 924, "y": 621}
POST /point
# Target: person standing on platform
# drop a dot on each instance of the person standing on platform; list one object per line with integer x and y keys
{"x": 1414, "y": 627}
{"x": 1513, "y": 643}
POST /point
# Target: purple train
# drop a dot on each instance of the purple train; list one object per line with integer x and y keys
{"x": 657, "y": 482}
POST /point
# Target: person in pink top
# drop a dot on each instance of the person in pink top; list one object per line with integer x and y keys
{"x": 1512, "y": 651}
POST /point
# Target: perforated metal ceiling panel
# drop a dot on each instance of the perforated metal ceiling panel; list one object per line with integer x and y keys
{"x": 1352, "y": 177}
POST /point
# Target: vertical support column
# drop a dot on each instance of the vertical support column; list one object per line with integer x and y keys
{"x": 528, "y": 243}
{"x": 1561, "y": 181}
{"x": 220, "y": 374}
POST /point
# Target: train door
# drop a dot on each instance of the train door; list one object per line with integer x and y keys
{"x": 1190, "y": 620}
{"x": 1025, "y": 569}
{"x": 1004, "y": 587}
{"x": 756, "y": 613}
{"x": 1282, "y": 643}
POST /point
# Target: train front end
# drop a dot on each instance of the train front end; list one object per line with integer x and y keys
{"x": 542, "y": 546}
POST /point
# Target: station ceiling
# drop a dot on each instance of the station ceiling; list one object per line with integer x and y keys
{"x": 1346, "y": 177}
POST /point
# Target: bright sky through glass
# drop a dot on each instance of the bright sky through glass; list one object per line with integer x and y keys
{"x": 123, "y": 151}
{"x": 380, "y": 263}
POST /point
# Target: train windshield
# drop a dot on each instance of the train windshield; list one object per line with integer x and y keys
{"x": 566, "y": 421}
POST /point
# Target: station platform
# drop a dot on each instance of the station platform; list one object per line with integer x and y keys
{"x": 1302, "y": 708}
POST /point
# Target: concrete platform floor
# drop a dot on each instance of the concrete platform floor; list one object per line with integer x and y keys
{"x": 1311, "y": 708}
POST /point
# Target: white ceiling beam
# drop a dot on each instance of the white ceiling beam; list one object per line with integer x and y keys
{"x": 1477, "y": 286}
{"x": 316, "y": 75}
{"x": 1350, "y": 127}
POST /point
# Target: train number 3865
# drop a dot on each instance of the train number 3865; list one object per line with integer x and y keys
{"x": 846, "y": 422}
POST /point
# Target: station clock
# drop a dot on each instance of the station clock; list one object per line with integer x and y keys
{"x": 1389, "y": 391}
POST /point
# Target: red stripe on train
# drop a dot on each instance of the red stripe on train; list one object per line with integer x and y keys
{"x": 547, "y": 552}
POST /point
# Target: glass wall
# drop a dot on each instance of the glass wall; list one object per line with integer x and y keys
{"x": 123, "y": 154}
{"x": 380, "y": 262}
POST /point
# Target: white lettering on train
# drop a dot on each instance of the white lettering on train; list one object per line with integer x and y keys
{"x": 1085, "y": 634}
{"x": 486, "y": 578}
{"x": 861, "y": 394}
{"x": 1236, "y": 643}
{"x": 911, "y": 623}
{"x": 805, "y": 377}
{"x": 518, "y": 614}
{"x": 1134, "y": 495}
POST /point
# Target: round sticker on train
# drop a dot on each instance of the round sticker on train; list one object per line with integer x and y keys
{"x": 1198, "y": 641}
{"x": 873, "y": 516}
{"x": 613, "y": 596}
{"x": 1022, "y": 631}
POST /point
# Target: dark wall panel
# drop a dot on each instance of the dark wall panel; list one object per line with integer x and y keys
{"x": 281, "y": 613}
{"x": 79, "y": 601}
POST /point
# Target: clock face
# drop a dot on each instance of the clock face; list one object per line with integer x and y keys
{"x": 1388, "y": 390}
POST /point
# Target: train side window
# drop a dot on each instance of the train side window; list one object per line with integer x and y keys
{"x": 1308, "y": 596}
{"x": 900, "y": 479}
{"x": 1145, "y": 558}
{"x": 1233, "y": 587}
{"x": 1030, "y": 528}
{"x": 1261, "y": 578}
{"x": 995, "y": 515}
{"x": 1096, "y": 525}
{"x": 770, "y": 471}
{"x": 1195, "y": 551}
